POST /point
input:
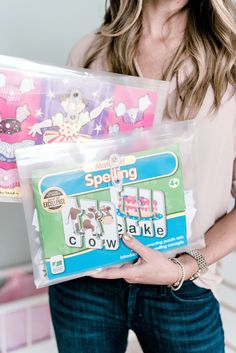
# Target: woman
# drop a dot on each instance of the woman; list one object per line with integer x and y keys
{"x": 192, "y": 44}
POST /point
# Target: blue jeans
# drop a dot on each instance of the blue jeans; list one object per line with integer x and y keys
{"x": 94, "y": 316}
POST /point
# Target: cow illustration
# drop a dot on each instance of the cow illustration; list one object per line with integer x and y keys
{"x": 107, "y": 217}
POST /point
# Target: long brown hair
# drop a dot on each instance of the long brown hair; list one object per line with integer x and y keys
{"x": 209, "y": 44}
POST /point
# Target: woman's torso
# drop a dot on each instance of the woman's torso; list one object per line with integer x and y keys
{"x": 216, "y": 151}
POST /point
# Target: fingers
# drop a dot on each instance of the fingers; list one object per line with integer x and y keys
{"x": 126, "y": 271}
{"x": 138, "y": 262}
{"x": 142, "y": 250}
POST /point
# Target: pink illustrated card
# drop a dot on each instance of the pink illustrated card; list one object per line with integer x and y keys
{"x": 42, "y": 104}
{"x": 19, "y": 103}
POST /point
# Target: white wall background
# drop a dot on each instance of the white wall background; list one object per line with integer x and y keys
{"x": 45, "y": 30}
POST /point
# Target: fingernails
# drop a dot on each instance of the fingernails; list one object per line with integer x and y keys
{"x": 127, "y": 237}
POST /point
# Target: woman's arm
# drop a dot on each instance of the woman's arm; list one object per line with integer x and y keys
{"x": 220, "y": 241}
{"x": 154, "y": 268}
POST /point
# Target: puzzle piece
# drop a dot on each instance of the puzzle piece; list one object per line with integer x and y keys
{"x": 71, "y": 223}
{"x": 146, "y": 206}
{"x": 159, "y": 214}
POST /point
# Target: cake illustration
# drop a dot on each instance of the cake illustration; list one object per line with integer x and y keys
{"x": 147, "y": 209}
{"x": 131, "y": 206}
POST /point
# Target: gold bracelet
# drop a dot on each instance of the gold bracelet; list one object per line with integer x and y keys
{"x": 201, "y": 261}
{"x": 177, "y": 285}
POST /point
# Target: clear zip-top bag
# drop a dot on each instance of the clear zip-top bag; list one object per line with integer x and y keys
{"x": 43, "y": 104}
{"x": 80, "y": 198}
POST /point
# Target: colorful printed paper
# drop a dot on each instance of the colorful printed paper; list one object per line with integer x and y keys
{"x": 43, "y": 104}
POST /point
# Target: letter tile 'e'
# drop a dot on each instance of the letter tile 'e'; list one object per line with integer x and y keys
{"x": 159, "y": 213}
{"x": 146, "y": 212}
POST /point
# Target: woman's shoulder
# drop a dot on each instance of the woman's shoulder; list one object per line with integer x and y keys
{"x": 79, "y": 50}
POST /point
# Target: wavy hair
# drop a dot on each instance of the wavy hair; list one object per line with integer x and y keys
{"x": 209, "y": 44}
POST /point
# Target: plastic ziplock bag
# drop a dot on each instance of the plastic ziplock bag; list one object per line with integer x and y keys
{"x": 41, "y": 104}
{"x": 83, "y": 197}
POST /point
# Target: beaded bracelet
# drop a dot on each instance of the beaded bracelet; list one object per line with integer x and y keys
{"x": 177, "y": 285}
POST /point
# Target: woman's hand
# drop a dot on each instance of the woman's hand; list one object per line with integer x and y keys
{"x": 151, "y": 268}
